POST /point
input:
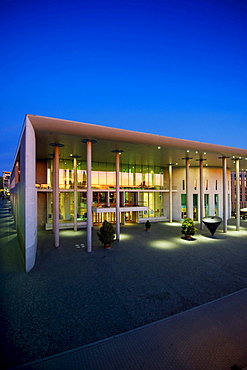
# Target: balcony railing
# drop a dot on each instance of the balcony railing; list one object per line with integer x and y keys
{"x": 122, "y": 204}
{"x": 105, "y": 187}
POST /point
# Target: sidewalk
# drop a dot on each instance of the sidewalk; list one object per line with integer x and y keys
{"x": 211, "y": 337}
{"x": 143, "y": 304}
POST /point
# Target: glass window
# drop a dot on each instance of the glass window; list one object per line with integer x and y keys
{"x": 216, "y": 204}
{"x": 154, "y": 201}
{"x": 124, "y": 179}
{"x": 206, "y": 205}
{"x": 111, "y": 179}
{"x": 195, "y": 206}
{"x": 183, "y": 206}
{"x": 81, "y": 178}
{"x": 138, "y": 179}
{"x": 82, "y": 205}
{"x": 95, "y": 179}
{"x": 102, "y": 179}
{"x": 158, "y": 180}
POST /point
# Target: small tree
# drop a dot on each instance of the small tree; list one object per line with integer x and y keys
{"x": 106, "y": 233}
{"x": 148, "y": 225}
{"x": 188, "y": 227}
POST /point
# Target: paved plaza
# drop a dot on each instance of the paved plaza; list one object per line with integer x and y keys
{"x": 72, "y": 299}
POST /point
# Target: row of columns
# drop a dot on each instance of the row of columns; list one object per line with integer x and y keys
{"x": 237, "y": 195}
{"x": 89, "y": 193}
{"x": 189, "y": 197}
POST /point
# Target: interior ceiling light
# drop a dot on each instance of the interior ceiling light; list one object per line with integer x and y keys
{"x": 158, "y": 147}
{"x": 205, "y": 153}
{"x": 188, "y": 151}
{"x": 196, "y": 152}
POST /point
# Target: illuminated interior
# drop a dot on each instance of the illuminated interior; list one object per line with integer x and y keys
{"x": 133, "y": 181}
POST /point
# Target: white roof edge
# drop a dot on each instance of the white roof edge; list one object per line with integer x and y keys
{"x": 20, "y": 139}
{"x": 112, "y": 133}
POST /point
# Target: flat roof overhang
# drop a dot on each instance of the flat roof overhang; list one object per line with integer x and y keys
{"x": 138, "y": 148}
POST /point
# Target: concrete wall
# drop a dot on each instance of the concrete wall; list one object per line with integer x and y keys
{"x": 24, "y": 196}
{"x": 212, "y": 175}
{"x": 30, "y": 197}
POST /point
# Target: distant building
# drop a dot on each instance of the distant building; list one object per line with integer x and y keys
{"x": 70, "y": 174}
{"x": 6, "y": 182}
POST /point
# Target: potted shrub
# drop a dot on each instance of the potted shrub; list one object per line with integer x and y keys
{"x": 106, "y": 234}
{"x": 188, "y": 228}
{"x": 148, "y": 225}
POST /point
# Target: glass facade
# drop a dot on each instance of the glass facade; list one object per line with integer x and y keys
{"x": 206, "y": 205}
{"x": 133, "y": 179}
{"x": 183, "y": 206}
{"x": 104, "y": 177}
{"x": 155, "y": 203}
{"x": 66, "y": 207}
{"x": 216, "y": 204}
{"x": 140, "y": 186}
{"x": 195, "y": 207}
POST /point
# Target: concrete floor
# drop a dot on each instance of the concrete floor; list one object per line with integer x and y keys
{"x": 72, "y": 299}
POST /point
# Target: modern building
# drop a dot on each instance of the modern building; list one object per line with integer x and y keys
{"x": 6, "y": 182}
{"x": 70, "y": 174}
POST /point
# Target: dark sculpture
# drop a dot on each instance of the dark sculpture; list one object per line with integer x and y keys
{"x": 212, "y": 223}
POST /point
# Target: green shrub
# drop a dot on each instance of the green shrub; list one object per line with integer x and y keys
{"x": 188, "y": 227}
{"x": 148, "y": 224}
{"x": 106, "y": 233}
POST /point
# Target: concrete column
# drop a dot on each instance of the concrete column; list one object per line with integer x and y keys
{"x": 189, "y": 206}
{"x": 56, "y": 195}
{"x": 201, "y": 195}
{"x": 75, "y": 194}
{"x": 224, "y": 195}
{"x": 237, "y": 196}
{"x": 27, "y": 196}
{"x": 117, "y": 155}
{"x": 170, "y": 193}
{"x": 89, "y": 196}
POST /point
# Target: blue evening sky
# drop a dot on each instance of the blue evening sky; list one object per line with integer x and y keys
{"x": 171, "y": 67}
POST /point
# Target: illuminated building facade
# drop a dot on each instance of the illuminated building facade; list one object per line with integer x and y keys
{"x": 70, "y": 174}
{"x": 6, "y": 182}
{"x": 242, "y": 187}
